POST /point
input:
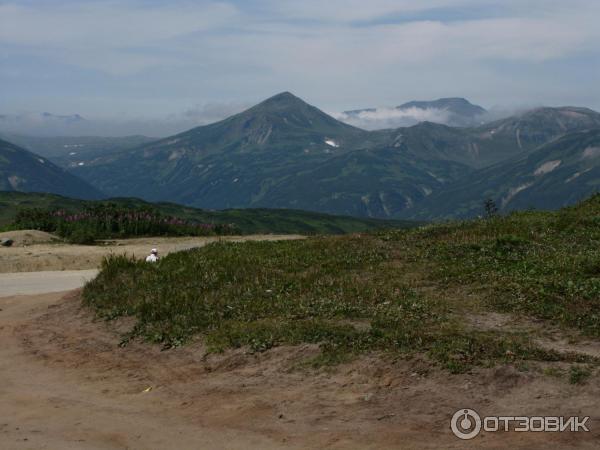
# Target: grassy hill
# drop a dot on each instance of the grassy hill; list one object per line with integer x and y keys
{"x": 247, "y": 221}
{"x": 434, "y": 292}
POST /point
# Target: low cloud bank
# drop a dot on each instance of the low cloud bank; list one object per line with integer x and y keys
{"x": 379, "y": 118}
{"x": 47, "y": 124}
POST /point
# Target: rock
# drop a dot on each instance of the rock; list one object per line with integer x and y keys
{"x": 6, "y": 242}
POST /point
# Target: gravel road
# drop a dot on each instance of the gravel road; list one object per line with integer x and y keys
{"x": 31, "y": 283}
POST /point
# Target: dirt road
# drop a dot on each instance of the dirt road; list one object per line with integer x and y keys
{"x": 28, "y": 283}
{"x": 48, "y": 407}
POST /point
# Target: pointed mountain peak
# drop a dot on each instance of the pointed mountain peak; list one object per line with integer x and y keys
{"x": 282, "y": 100}
{"x": 286, "y": 95}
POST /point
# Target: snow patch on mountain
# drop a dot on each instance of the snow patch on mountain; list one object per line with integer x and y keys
{"x": 591, "y": 152}
{"x": 514, "y": 191}
{"x": 547, "y": 167}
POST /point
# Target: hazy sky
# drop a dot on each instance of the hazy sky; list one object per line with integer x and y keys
{"x": 150, "y": 60}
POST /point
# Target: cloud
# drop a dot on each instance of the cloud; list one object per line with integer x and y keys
{"x": 115, "y": 37}
{"x": 337, "y": 54}
{"x": 379, "y": 118}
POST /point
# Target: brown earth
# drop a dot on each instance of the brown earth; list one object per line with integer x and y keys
{"x": 22, "y": 238}
{"x": 65, "y": 383}
{"x": 40, "y": 253}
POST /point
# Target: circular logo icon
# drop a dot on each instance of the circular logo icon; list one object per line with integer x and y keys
{"x": 465, "y": 424}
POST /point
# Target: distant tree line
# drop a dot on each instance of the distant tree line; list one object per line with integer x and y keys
{"x": 112, "y": 221}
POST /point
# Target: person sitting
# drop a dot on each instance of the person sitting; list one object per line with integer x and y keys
{"x": 153, "y": 256}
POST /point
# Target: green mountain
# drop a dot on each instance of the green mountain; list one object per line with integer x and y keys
{"x": 382, "y": 182}
{"x": 557, "y": 174}
{"x": 284, "y": 153}
{"x": 248, "y": 221}
{"x": 21, "y": 170}
{"x": 518, "y": 135}
{"x": 231, "y": 163}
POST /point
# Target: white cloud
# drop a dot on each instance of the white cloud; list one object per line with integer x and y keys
{"x": 249, "y": 50}
{"x": 380, "y": 118}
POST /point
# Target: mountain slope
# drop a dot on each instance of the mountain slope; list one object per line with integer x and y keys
{"x": 21, "y": 170}
{"x": 379, "y": 182}
{"x": 70, "y": 151}
{"x": 521, "y": 134}
{"x": 557, "y": 174}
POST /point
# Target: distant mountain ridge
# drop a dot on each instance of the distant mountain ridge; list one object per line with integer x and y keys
{"x": 285, "y": 153}
{"x": 453, "y": 111}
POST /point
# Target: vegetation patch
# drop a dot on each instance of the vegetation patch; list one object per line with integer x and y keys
{"x": 387, "y": 292}
{"x": 13, "y": 205}
{"x": 106, "y": 221}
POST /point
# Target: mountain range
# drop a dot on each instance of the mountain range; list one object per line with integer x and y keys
{"x": 285, "y": 153}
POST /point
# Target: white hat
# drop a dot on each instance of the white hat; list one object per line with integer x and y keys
{"x": 154, "y": 251}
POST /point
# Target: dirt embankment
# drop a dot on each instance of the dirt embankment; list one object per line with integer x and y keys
{"x": 37, "y": 251}
{"x": 66, "y": 383}
{"x": 21, "y": 238}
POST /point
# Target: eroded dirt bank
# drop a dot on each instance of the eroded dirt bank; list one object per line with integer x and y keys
{"x": 65, "y": 383}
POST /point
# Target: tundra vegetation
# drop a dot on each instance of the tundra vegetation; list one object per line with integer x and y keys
{"x": 20, "y": 210}
{"x": 401, "y": 293}
{"x": 105, "y": 221}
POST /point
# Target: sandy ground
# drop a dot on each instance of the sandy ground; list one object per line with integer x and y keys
{"x": 65, "y": 383}
{"x": 41, "y": 255}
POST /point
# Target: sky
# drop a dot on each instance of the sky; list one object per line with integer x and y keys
{"x": 158, "y": 67}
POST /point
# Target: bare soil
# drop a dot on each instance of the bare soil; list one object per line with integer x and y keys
{"x": 22, "y": 238}
{"x": 38, "y": 251}
{"x": 65, "y": 383}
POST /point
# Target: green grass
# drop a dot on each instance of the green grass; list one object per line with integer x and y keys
{"x": 399, "y": 292}
{"x": 542, "y": 264}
